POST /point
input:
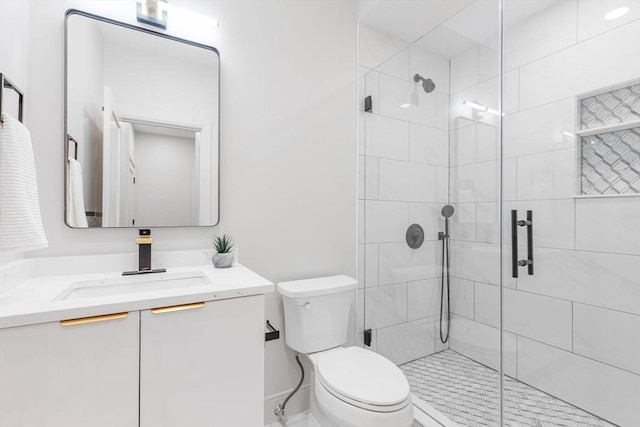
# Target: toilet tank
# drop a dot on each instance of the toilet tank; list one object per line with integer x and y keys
{"x": 316, "y": 312}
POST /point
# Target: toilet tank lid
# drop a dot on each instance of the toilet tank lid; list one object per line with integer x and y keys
{"x": 318, "y": 286}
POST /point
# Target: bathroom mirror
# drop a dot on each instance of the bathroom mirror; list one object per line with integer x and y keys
{"x": 141, "y": 126}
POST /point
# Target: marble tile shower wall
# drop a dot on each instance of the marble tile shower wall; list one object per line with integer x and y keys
{"x": 572, "y": 329}
{"x": 401, "y": 147}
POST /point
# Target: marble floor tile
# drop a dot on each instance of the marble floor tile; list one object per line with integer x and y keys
{"x": 468, "y": 393}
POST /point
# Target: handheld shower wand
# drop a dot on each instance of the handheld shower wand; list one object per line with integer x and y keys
{"x": 447, "y": 212}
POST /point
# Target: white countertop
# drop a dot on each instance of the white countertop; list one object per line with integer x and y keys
{"x": 38, "y": 299}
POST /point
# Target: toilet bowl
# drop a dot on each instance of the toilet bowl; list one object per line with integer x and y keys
{"x": 350, "y": 386}
{"x": 356, "y": 387}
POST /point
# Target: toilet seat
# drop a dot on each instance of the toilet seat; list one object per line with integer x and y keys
{"x": 363, "y": 379}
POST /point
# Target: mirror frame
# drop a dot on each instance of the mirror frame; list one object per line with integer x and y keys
{"x": 67, "y": 15}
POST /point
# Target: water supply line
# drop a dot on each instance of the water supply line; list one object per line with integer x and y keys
{"x": 279, "y": 410}
{"x": 447, "y": 212}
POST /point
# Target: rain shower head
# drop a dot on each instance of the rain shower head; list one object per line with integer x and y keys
{"x": 447, "y": 211}
{"x": 427, "y": 84}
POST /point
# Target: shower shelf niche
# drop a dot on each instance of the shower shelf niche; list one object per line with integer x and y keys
{"x": 609, "y": 143}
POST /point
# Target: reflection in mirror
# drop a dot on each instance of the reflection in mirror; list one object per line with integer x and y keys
{"x": 142, "y": 127}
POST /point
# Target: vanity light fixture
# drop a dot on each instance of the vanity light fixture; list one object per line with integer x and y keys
{"x": 155, "y": 12}
{"x": 475, "y": 106}
{"x": 152, "y": 12}
{"x": 480, "y": 108}
{"x": 616, "y": 13}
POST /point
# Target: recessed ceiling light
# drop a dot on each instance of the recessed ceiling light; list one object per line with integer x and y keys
{"x": 616, "y": 13}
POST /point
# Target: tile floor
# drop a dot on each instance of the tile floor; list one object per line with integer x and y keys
{"x": 300, "y": 420}
{"x": 468, "y": 393}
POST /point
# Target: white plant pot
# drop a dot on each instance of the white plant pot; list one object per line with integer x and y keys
{"x": 222, "y": 260}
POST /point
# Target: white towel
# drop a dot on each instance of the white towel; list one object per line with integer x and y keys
{"x": 20, "y": 221}
{"x": 76, "y": 216}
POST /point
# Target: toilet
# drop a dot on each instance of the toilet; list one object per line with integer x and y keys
{"x": 350, "y": 386}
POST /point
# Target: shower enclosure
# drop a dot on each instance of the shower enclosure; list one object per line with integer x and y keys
{"x": 524, "y": 116}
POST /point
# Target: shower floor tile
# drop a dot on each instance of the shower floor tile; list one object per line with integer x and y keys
{"x": 468, "y": 393}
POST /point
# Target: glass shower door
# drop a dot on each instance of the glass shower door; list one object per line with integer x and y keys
{"x": 571, "y": 180}
{"x": 429, "y": 150}
{"x": 524, "y": 117}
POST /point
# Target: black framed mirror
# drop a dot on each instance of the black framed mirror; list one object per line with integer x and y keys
{"x": 141, "y": 127}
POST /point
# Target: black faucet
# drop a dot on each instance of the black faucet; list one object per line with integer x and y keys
{"x": 144, "y": 242}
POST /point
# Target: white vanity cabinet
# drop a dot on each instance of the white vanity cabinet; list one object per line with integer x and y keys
{"x": 203, "y": 364}
{"x": 81, "y": 373}
{"x": 191, "y": 365}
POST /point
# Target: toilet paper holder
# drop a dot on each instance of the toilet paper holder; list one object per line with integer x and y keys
{"x": 272, "y": 334}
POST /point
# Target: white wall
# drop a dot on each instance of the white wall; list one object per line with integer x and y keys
{"x": 164, "y": 172}
{"x": 288, "y": 150}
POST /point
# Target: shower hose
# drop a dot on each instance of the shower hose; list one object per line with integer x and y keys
{"x": 444, "y": 337}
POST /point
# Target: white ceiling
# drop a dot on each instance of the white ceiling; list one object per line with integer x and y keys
{"x": 163, "y": 130}
{"x": 475, "y": 24}
{"x": 446, "y": 27}
{"x": 408, "y": 19}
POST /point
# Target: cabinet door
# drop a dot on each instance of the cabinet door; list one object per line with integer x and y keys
{"x": 81, "y": 373}
{"x": 203, "y": 364}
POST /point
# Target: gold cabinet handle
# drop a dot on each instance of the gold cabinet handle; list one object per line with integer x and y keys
{"x": 172, "y": 308}
{"x": 93, "y": 319}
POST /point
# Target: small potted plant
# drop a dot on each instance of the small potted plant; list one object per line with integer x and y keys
{"x": 223, "y": 257}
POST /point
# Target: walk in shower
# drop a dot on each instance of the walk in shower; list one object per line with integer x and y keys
{"x": 524, "y": 116}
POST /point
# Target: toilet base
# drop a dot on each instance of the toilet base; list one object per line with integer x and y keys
{"x": 317, "y": 417}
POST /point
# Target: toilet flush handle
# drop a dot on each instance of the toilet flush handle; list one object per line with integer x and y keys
{"x": 306, "y": 305}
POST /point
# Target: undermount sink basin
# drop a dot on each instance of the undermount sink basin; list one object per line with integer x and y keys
{"x": 133, "y": 284}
